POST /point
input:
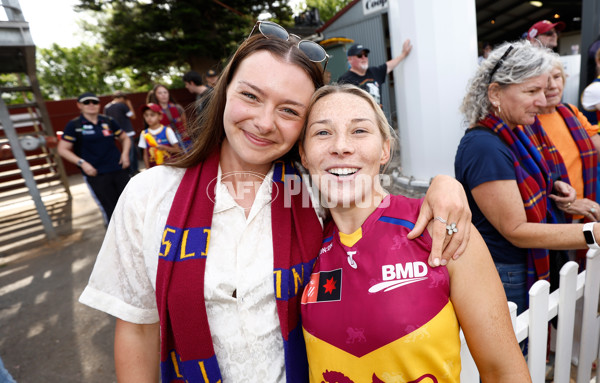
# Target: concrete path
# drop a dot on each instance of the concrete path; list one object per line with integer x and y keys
{"x": 45, "y": 334}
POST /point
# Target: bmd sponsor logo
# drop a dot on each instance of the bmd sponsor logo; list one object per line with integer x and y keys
{"x": 399, "y": 275}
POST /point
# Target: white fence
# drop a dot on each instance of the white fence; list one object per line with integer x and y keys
{"x": 533, "y": 326}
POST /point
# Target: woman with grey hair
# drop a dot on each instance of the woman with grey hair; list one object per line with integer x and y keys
{"x": 512, "y": 172}
{"x": 576, "y": 140}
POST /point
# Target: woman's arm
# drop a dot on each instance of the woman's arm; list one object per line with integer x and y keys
{"x": 501, "y": 203}
{"x": 446, "y": 199}
{"x": 137, "y": 352}
{"x": 482, "y": 310}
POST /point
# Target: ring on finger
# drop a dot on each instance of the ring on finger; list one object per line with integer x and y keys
{"x": 441, "y": 220}
{"x": 452, "y": 228}
{"x": 592, "y": 210}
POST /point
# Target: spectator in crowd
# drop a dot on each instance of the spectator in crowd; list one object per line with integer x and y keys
{"x": 193, "y": 83}
{"x": 356, "y": 281}
{"x": 231, "y": 235}
{"x": 512, "y": 172}
{"x": 590, "y": 98}
{"x": 590, "y": 61}
{"x": 485, "y": 52}
{"x": 211, "y": 78}
{"x": 88, "y": 141}
{"x": 158, "y": 141}
{"x": 173, "y": 113}
{"x": 576, "y": 140}
{"x": 121, "y": 110}
{"x": 370, "y": 78}
{"x": 545, "y": 34}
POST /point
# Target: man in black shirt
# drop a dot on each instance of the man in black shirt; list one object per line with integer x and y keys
{"x": 368, "y": 77}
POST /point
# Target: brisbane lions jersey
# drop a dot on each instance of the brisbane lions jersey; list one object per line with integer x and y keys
{"x": 374, "y": 311}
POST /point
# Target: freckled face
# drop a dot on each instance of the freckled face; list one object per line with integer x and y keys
{"x": 266, "y": 106}
{"x": 343, "y": 149}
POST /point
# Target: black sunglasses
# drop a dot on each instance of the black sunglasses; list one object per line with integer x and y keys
{"x": 312, "y": 50}
{"x": 360, "y": 56}
{"x": 549, "y": 33}
{"x": 499, "y": 63}
{"x": 87, "y": 102}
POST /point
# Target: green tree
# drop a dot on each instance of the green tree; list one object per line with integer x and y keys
{"x": 155, "y": 36}
{"x": 68, "y": 72}
{"x": 327, "y": 8}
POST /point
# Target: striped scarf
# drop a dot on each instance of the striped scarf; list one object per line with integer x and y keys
{"x": 172, "y": 118}
{"x": 537, "y": 165}
{"x": 187, "y": 353}
{"x": 587, "y": 151}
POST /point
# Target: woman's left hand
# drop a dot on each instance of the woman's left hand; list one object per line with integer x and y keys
{"x": 446, "y": 199}
{"x": 566, "y": 197}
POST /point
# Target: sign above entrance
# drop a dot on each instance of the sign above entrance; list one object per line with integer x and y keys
{"x": 372, "y": 6}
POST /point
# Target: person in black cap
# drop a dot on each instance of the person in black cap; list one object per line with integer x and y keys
{"x": 368, "y": 77}
{"x": 211, "y": 78}
{"x": 88, "y": 141}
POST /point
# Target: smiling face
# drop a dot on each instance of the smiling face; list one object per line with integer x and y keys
{"x": 359, "y": 64}
{"x": 343, "y": 149}
{"x": 555, "y": 88}
{"x": 266, "y": 105}
{"x": 519, "y": 103}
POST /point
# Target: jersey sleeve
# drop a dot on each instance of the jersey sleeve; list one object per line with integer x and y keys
{"x": 483, "y": 157}
{"x": 591, "y": 96}
{"x": 114, "y": 126}
{"x": 142, "y": 140}
{"x": 69, "y": 132}
{"x": 171, "y": 136}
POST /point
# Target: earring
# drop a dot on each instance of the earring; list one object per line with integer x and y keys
{"x": 497, "y": 106}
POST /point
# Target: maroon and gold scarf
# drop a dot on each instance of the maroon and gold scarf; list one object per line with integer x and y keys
{"x": 187, "y": 353}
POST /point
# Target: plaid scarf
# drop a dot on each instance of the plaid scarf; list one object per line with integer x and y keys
{"x": 537, "y": 165}
{"x": 587, "y": 151}
{"x": 187, "y": 353}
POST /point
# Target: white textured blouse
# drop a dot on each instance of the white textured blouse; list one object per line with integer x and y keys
{"x": 245, "y": 329}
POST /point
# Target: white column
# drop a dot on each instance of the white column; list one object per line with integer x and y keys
{"x": 430, "y": 84}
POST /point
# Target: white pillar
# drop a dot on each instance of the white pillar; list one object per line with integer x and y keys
{"x": 431, "y": 83}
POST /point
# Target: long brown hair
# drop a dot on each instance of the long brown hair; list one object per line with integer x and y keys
{"x": 207, "y": 132}
{"x": 151, "y": 96}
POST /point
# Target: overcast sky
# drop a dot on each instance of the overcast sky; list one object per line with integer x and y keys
{"x": 55, "y": 21}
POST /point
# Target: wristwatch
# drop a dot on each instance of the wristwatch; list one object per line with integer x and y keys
{"x": 588, "y": 233}
{"x": 80, "y": 162}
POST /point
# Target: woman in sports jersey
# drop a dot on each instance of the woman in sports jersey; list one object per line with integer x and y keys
{"x": 374, "y": 311}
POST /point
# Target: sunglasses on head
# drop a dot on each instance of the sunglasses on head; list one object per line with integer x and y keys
{"x": 360, "y": 55}
{"x": 312, "y": 50}
{"x": 93, "y": 102}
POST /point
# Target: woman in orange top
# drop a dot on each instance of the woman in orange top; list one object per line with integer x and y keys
{"x": 576, "y": 140}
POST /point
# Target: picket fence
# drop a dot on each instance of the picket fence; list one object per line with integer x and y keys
{"x": 532, "y": 325}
